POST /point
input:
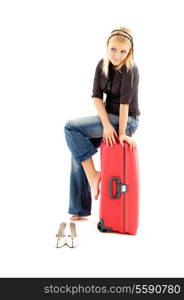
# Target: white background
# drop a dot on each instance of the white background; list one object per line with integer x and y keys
{"x": 48, "y": 55}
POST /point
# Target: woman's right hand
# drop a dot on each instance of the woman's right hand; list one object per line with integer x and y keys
{"x": 109, "y": 135}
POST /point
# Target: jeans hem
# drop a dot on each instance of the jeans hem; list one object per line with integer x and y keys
{"x": 84, "y": 214}
{"x": 86, "y": 156}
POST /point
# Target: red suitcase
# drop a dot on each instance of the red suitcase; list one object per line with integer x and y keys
{"x": 119, "y": 197}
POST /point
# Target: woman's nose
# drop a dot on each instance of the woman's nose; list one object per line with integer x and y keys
{"x": 118, "y": 55}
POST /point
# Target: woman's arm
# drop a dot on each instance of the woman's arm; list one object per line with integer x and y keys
{"x": 123, "y": 118}
{"x": 100, "y": 107}
{"x": 109, "y": 133}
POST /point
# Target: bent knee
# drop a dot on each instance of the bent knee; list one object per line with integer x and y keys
{"x": 67, "y": 125}
{"x": 71, "y": 125}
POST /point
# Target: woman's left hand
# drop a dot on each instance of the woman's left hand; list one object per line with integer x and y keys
{"x": 129, "y": 140}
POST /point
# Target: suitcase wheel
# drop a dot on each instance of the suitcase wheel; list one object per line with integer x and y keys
{"x": 100, "y": 227}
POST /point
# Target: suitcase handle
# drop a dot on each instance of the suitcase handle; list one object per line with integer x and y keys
{"x": 120, "y": 187}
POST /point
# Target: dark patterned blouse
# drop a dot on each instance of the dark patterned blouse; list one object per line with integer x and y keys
{"x": 121, "y": 86}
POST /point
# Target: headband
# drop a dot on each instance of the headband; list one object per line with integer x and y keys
{"x": 128, "y": 36}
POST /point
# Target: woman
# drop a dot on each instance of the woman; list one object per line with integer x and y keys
{"x": 118, "y": 118}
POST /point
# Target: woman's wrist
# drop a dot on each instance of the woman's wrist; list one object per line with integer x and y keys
{"x": 106, "y": 123}
{"x": 122, "y": 132}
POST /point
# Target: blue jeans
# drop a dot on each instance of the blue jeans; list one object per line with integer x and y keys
{"x": 83, "y": 137}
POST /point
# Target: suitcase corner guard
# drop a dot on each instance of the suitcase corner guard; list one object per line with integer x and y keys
{"x": 101, "y": 227}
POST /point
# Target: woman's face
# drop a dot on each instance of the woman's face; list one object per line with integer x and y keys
{"x": 117, "y": 52}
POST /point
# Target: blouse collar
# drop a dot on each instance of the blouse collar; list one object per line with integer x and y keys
{"x": 112, "y": 68}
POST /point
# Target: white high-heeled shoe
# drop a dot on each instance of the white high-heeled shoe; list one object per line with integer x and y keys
{"x": 72, "y": 238}
{"x": 61, "y": 236}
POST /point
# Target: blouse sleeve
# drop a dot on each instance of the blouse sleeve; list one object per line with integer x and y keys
{"x": 97, "y": 90}
{"x": 129, "y": 84}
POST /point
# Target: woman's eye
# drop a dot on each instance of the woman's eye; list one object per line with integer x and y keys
{"x": 123, "y": 51}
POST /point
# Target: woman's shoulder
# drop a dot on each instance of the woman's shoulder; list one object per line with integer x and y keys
{"x": 99, "y": 66}
{"x": 129, "y": 75}
{"x": 133, "y": 72}
{"x": 100, "y": 62}
{"x": 135, "y": 68}
{"x": 136, "y": 72}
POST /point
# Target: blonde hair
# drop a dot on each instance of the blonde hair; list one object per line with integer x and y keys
{"x": 129, "y": 60}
